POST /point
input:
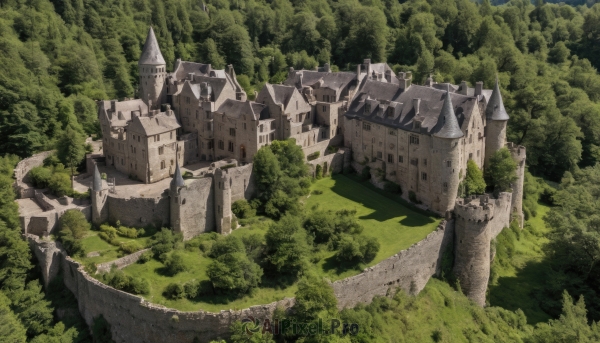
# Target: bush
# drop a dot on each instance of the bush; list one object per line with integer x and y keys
{"x": 60, "y": 184}
{"x": 127, "y": 232}
{"x": 318, "y": 172}
{"x": 234, "y": 272}
{"x": 109, "y": 234}
{"x": 365, "y": 174}
{"x": 191, "y": 289}
{"x": 175, "y": 263}
{"x": 317, "y": 192}
{"x": 313, "y": 156}
{"x": 163, "y": 242}
{"x": 242, "y": 209}
{"x": 226, "y": 245}
{"x": 174, "y": 291}
{"x": 139, "y": 285}
{"x": 355, "y": 249}
{"x": 131, "y": 247}
{"x": 392, "y": 187}
{"x": 40, "y": 176}
{"x": 145, "y": 257}
{"x": 118, "y": 279}
{"x": 73, "y": 227}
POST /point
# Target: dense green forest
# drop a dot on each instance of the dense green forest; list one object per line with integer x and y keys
{"x": 58, "y": 57}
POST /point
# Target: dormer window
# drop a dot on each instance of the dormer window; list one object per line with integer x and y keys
{"x": 417, "y": 125}
{"x": 390, "y": 112}
{"x": 367, "y": 108}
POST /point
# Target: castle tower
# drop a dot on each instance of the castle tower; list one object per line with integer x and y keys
{"x": 98, "y": 195}
{"x": 519, "y": 155}
{"x": 472, "y": 246}
{"x": 496, "y": 119}
{"x": 446, "y": 156}
{"x": 223, "y": 201}
{"x": 177, "y": 183}
{"x": 152, "y": 73}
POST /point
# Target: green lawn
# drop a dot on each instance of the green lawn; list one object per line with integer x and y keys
{"x": 93, "y": 243}
{"x": 395, "y": 226}
{"x": 518, "y": 284}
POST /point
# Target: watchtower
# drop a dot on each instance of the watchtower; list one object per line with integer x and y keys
{"x": 495, "y": 127}
{"x": 152, "y": 70}
{"x": 223, "y": 214}
{"x": 98, "y": 195}
{"x": 177, "y": 183}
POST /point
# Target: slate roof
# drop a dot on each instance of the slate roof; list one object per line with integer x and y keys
{"x": 154, "y": 125}
{"x": 177, "y": 180}
{"x": 97, "y": 183}
{"x": 450, "y": 128}
{"x": 235, "y": 109}
{"x": 281, "y": 94}
{"x": 335, "y": 81}
{"x": 151, "y": 53}
{"x": 391, "y": 107}
{"x": 495, "y": 108}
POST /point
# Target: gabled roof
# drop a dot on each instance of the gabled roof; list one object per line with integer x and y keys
{"x": 159, "y": 123}
{"x": 151, "y": 53}
{"x": 335, "y": 81}
{"x": 450, "y": 128}
{"x": 495, "y": 108}
{"x": 235, "y": 109}
{"x": 392, "y": 107}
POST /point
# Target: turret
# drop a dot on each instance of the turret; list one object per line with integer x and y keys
{"x": 152, "y": 70}
{"x": 446, "y": 158}
{"x": 519, "y": 155}
{"x": 177, "y": 183}
{"x": 496, "y": 120}
{"x": 223, "y": 201}
{"x": 98, "y": 195}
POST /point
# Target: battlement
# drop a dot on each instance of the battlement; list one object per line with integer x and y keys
{"x": 475, "y": 208}
{"x": 518, "y": 152}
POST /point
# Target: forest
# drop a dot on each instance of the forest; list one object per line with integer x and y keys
{"x": 59, "y": 57}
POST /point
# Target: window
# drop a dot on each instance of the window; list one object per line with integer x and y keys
{"x": 210, "y": 144}
{"x": 230, "y": 146}
{"x": 449, "y": 164}
{"x": 138, "y": 139}
{"x": 232, "y": 132}
{"x": 133, "y": 137}
{"x": 187, "y": 101}
{"x": 424, "y": 161}
{"x": 273, "y": 125}
{"x": 324, "y": 109}
{"x": 260, "y": 139}
{"x": 400, "y": 159}
{"x": 414, "y": 161}
{"x": 379, "y": 154}
{"x": 197, "y": 114}
{"x": 162, "y": 165}
{"x": 221, "y": 145}
{"x": 307, "y": 115}
{"x": 471, "y": 138}
{"x": 367, "y": 107}
{"x": 335, "y": 122}
{"x": 367, "y": 127}
{"x": 161, "y": 150}
{"x": 207, "y": 126}
{"x": 470, "y": 155}
{"x": 207, "y": 114}
{"x": 445, "y": 187}
{"x": 414, "y": 139}
{"x": 244, "y": 126}
{"x": 260, "y": 128}
{"x": 390, "y": 158}
{"x": 324, "y": 134}
{"x": 296, "y": 104}
{"x": 392, "y": 133}
{"x": 424, "y": 176}
{"x": 158, "y": 137}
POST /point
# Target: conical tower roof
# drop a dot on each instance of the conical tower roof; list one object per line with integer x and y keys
{"x": 97, "y": 183}
{"x": 151, "y": 54}
{"x": 495, "y": 108}
{"x": 177, "y": 178}
{"x": 450, "y": 129}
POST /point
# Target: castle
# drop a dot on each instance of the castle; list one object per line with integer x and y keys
{"x": 417, "y": 136}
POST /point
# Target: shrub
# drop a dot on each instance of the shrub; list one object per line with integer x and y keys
{"x": 287, "y": 245}
{"x": 60, "y": 184}
{"x": 127, "y": 232}
{"x": 174, "y": 291}
{"x": 357, "y": 249}
{"x": 242, "y": 209}
{"x": 191, "y": 289}
{"x": 175, "y": 263}
{"x": 226, "y": 245}
{"x": 318, "y": 172}
{"x": 40, "y": 176}
{"x": 392, "y": 187}
{"x": 131, "y": 247}
{"x": 109, "y": 234}
{"x": 187, "y": 175}
{"x": 103, "y": 176}
{"x": 145, "y": 257}
{"x": 234, "y": 273}
{"x": 73, "y": 227}
{"x": 474, "y": 182}
{"x": 313, "y": 156}
{"x": 118, "y": 279}
{"x": 365, "y": 174}
{"x": 139, "y": 285}
{"x": 317, "y": 192}
{"x": 163, "y": 242}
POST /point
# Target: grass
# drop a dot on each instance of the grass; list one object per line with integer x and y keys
{"x": 93, "y": 243}
{"x": 396, "y": 226}
{"x": 519, "y": 282}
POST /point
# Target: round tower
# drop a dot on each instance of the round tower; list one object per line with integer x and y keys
{"x": 496, "y": 120}
{"x": 177, "y": 183}
{"x": 223, "y": 201}
{"x": 98, "y": 195}
{"x": 472, "y": 246}
{"x": 519, "y": 155}
{"x": 446, "y": 155}
{"x": 152, "y": 70}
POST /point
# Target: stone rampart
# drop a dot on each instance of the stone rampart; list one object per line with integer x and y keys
{"x": 334, "y": 162}
{"x": 242, "y": 185}
{"x": 121, "y": 262}
{"x": 409, "y": 270}
{"x": 21, "y": 171}
{"x": 139, "y": 212}
{"x": 43, "y": 201}
{"x": 197, "y": 209}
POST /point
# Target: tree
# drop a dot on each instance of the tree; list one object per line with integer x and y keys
{"x": 474, "y": 182}
{"x": 73, "y": 226}
{"x": 70, "y": 149}
{"x": 234, "y": 272}
{"x": 286, "y": 245}
{"x": 175, "y": 263}
{"x": 226, "y": 245}
{"x": 11, "y": 328}
{"x": 501, "y": 172}
{"x": 313, "y": 296}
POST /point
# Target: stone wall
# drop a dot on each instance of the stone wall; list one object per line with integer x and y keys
{"x": 197, "y": 208}
{"x": 409, "y": 270}
{"x": 139, "y": 212}
{"x": 121, "y": 262}
{"x": 243, "y": 185}
{"x": 335, "y": 162}
{"x": 43, "y": 201}
{"x": 21, "y": 171}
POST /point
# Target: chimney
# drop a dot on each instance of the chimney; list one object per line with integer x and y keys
{"x": 358, "y": 71}
{"x": 191, "y": 76}
{"x": 479, "y": 88}
{"x": 327, "y": 68}
{"x": 299, "y": 75}
{"x": 209, "y": 68}
{"x": 367, "y": 63}
{"x": 416, "y": 105}
{"x": 113, "y": 105}
{"x": 464, "y": 89}
{"x": 388, "y": 76}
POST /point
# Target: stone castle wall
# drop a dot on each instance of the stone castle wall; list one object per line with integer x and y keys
{"x": 409, "y": 270}
{"x": 335, "y": 163}
{"x": 21, "y": 171}
{"x": 121, "y": 262}
{"x": 197, "y": 208}
{"x": 139, "y": 212}
{"x": 243, "y": 185}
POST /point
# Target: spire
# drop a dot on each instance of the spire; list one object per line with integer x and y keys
{"x": 177, "y": 178}
{"x": 495, "y": 108}
{"x": 151, "y": 52}
{"x": 97, "y": 183}
{"x": 450, "y": 128}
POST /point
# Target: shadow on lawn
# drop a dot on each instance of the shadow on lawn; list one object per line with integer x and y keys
{"x": 332, "y": 264}
{"x": 523, "y": 291}
{"x": 383, "y": 210}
